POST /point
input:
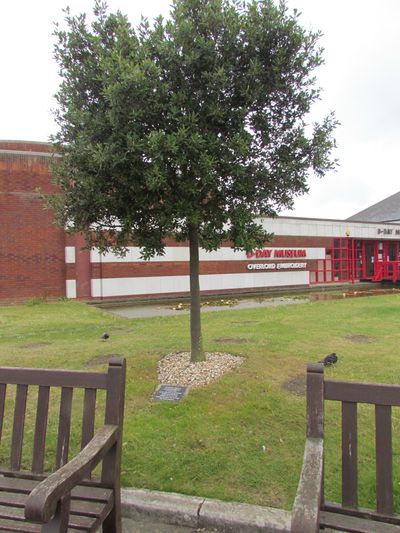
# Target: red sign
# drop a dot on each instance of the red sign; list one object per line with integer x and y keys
{"x": 277, "y": 252}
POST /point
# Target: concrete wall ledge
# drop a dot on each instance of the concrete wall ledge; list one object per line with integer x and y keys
{"x": 192, "y": 511}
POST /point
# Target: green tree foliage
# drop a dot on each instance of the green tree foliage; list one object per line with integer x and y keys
{"x": 189, "y": 127}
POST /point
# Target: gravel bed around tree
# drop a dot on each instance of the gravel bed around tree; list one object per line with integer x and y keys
{"x": 176, "y": 368}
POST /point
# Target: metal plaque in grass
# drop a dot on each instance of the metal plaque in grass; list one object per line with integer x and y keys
{"x": 169, "y": 393}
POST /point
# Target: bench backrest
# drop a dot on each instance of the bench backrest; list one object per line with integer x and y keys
{"x": 350, "y": 394}
{"x": 30, "y": 397}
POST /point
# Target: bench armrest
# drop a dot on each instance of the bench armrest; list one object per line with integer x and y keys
{"x": 305, "y": 514}
{"x": 42, "y": 502}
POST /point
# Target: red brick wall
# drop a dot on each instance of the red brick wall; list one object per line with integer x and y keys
{"x": 293, "y": 241}
{"x": 31, "y": 247}
{"x": 178, "y": 268}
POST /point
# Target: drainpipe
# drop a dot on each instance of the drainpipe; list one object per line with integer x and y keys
{"x": 83, "y": 270}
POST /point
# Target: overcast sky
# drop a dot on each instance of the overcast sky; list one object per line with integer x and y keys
{"x": 360, "y": 82}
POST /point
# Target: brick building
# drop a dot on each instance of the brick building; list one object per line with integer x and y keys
{"x": 31, "y": 247}
{"x": 37, "y": 259}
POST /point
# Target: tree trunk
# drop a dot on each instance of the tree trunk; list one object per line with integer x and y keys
{"x": 197, "y": 353}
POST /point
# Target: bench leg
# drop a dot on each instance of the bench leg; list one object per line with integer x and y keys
{"x": 112, "y": 524}
{"x": 111, "y": 477}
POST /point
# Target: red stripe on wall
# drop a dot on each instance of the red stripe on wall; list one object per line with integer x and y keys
{"x": 178, "y": 268}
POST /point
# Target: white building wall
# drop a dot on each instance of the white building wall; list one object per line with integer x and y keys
{"x": 176, "y": 284}
{"x": 330, "y": 228}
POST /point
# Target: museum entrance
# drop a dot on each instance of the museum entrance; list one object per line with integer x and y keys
{"x": 350, "y": 260}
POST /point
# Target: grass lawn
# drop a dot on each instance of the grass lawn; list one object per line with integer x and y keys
{"x": 238, "y": 439}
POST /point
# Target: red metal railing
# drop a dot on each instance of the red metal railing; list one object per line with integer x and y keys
{"x": 387, "y": 270}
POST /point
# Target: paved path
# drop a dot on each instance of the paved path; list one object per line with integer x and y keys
{"x": 287, "y": 297}
{"x": 130, "y": 525}
{"x": 169, "y": 309}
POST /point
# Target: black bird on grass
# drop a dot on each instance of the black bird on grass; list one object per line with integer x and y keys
{"x": 330, "y": 359}
{"x": 105, "y": 336}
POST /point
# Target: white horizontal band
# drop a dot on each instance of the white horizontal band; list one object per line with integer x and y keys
{"x": 177, "y": 284}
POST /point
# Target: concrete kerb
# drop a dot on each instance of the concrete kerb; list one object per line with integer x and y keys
{"x": 181, "y": 510}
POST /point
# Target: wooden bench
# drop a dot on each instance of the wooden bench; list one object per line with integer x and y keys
{"x": 311, "y": 512}
{"x": 67, "y": 499}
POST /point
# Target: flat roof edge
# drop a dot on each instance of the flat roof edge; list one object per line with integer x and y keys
{"x": 345, "y": 221}
{"x": 28, "y": 154}
{"x": 19, "y": 141}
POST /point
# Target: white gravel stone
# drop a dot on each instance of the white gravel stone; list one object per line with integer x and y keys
{"x": 176, "y": 368}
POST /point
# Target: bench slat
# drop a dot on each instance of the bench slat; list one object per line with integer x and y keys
{"x": 13, "y": 498}
{"x": 384, "y": 479}
{"x": 40, "y": 429}
{"x": 64, "y": 427}
{"x": 88, "y": 418}
{"x": 78, "y": 506}
{"x": 361, "y": 512}
{"x": 349, "y": 391}
{"x": 3, "y": 388}
{"x": 26, "y": 527}
{"x": 53, "y": 378}
{"x": 75, "y": 520}
{"x": 89, "y": 492}
{"x": 20, "y": 527}
{"x": 349, "y": 454}
{"x": 18, "y": 426}
{"x": 89, "y": 408}
{"x": 355, "y": 524}
{"x": 85, "y": 515}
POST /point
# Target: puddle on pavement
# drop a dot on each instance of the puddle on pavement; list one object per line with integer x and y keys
{"x": 151, "y": 310}
{"x": 174, "y": 308}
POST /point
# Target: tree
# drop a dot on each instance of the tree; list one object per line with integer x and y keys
{"x": 190, "y": 127}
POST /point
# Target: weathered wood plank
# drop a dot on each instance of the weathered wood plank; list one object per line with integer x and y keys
{"x": 12, "y": 498}
{"x": 349, "y": 454}
{"x": 40, "y": 429}
{"x": 16, "y": 484}
{"x": 76, "y": 520}
{"x": 27, "y": 474}
{"x": 361, "y": 512}
{"x": 305, "y": 515}
{"x": 110, "y": 472}
{"x": 25, "y": 486}
{"x": 78, "y": 506}
{"x": 53, "y": 378}
{"x": 20, "y": 527}
{"x": 348, "y": 391}
{"x": 384, "y": 458}
{"x": 81, "y": 522}
{"x": 3, "y": 388}
{"x": 88, "y": 418}
{"x": 354, "y": 524}
{"x": 64, "y": 426}
{"x": 101, "y": 519}
{"x": 18, "y": 427}
{"x": 315, "y": 400}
